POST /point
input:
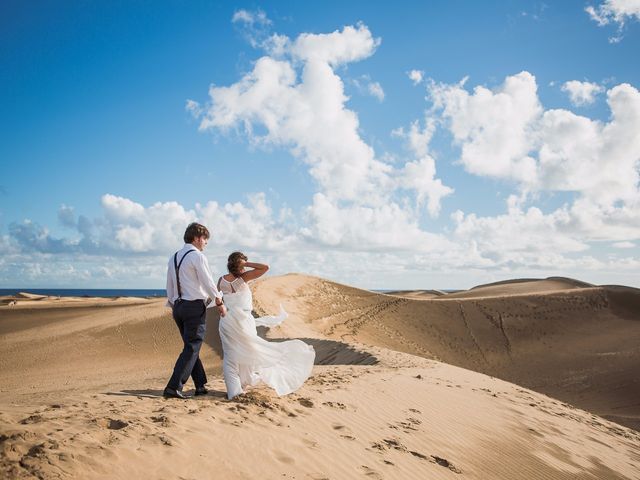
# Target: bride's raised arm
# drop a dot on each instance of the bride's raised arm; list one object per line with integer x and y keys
{"x": 259, "y": 269}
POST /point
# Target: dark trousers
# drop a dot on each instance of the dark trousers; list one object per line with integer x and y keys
{"x": 190, "y": 317}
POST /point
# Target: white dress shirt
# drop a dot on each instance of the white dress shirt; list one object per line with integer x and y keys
{"x": 196, "y": 282}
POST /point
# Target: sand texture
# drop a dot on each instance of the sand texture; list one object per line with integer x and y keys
{"x": 517, "y": 380}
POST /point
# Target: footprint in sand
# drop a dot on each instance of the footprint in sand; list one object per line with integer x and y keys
{"x": 284, "y": 458}
{"x": 443, "y": 462}
{"x": 310, "y": 443}
{"x": 389, "y": 443}
{"x": 345, "y": 431}
{"x": 409, "y": 425}
{"x": 32, "y": 419}
{"x": 419, "y": 455}
{"x": 111, "y": 423}
{"x": 305, "y": 402}
{"x": 338, "y": 405}
{"x": 162, "y": 420}
{"x": 370, "y": 472}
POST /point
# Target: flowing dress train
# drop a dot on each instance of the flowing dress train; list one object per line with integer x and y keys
{"x": 249, "y": 359}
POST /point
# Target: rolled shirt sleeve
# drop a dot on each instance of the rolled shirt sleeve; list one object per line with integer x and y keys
{"x": 206, "y": 279}
{"x": 171, "y": 285}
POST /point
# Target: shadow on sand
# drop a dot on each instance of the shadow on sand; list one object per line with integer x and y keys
{"x": 328, "y": 352}
{"x": 331, "y": 352}
{"x": 151, "y": 393}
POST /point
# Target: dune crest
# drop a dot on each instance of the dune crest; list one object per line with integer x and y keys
{"x": 524, "y": 286}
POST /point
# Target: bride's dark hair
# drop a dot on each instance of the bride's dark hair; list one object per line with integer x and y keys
{"x": 233, "y": 263}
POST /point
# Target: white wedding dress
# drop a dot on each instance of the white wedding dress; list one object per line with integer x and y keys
{"x": 249, "y": 359}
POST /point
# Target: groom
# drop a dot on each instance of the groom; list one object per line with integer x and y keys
{"x": 189, "y": 287}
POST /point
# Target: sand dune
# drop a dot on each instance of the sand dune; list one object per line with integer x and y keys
{"x": 576, "y": 344}
{"x": 417, "y": 294}
{"x": 61, "y": 347}
{"x": 524, "y": 286}
{"x": 81, "y": 384}
{"x": 30, "y": 296}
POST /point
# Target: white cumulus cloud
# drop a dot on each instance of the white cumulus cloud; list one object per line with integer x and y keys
{"x": 299, "y": 100}
{"x": 518, "y": 235}
{"x": 624, "y": 245}
{"x": 617, "y": 11}
{"x": 599, "y": 160}
{"x": 253, "y": 25}
{"x": 493, "y": 127}
{"x": 351, "y": 44}
{"x": 360, "y": 227}
{"x": 250, "y": 17}
{"x": 416, "y": 76}
{"x": 375, "y": 89}
{"x": 67, "y": 216}
{"x": 420, "y": 174}
{"x": 505, "y": 133}
{"x": 582, "y": 93}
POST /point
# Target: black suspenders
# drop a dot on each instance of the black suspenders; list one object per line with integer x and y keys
{"x": 177, "y": 267}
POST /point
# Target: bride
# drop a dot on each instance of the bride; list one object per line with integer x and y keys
{"x": 247, "y": 358}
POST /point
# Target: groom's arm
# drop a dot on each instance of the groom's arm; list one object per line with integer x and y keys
{"x": 171, "y": 286}
{"x": 206, "y": 279}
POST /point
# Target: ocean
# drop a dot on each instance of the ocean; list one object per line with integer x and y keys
{"x": 87, "y": 292}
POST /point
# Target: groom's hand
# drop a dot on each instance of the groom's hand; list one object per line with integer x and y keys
{"x": 222, "y": 310}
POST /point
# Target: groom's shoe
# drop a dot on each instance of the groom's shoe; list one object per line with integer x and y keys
{"x": 171, "y": 393}
{"x": 201, "y": 391}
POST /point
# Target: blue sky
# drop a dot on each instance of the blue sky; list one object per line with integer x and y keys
{"x": 524, "y": 169}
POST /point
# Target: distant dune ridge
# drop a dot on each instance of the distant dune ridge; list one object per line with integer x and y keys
{"x": 399, "y": 390}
